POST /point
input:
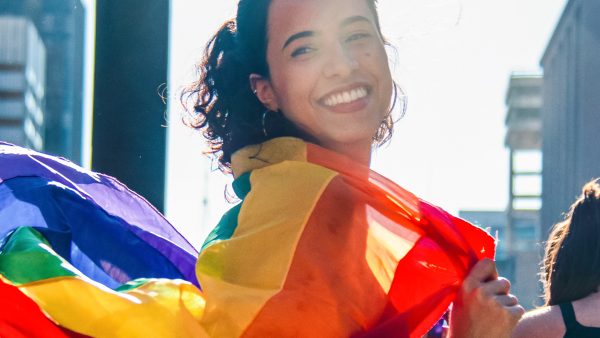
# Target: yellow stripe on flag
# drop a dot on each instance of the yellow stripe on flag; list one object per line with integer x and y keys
{"x": 160, "y": 308}
{"x": 241, "y": 274}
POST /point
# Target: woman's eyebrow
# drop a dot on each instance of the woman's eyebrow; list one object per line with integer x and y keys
{"x": 353, "y": 19}
{"x": 305, "y": 34}
{"x": 299, "y": 35}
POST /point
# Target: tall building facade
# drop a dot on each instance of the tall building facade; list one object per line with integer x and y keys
{"x": 524, "y": 143}
{"x": 571, "y": 108}
{"x": 60, "y": 25}
{"x": 22, "y": 82}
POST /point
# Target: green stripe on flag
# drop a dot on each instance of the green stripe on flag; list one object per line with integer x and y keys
{"x": 27, "y": 257}
{"x": 228, "y": 223}
{"x": 133, "y": 284}
{"x": 224, "y": 230}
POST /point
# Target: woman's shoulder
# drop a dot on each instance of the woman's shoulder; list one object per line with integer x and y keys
{"x": 546, "y": 322}
{"x": 587, "y": 310}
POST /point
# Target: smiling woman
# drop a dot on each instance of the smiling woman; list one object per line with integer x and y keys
{"x": 293, "y": 96}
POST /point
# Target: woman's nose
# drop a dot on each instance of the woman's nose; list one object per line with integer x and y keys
{"x": 340, "y": 63}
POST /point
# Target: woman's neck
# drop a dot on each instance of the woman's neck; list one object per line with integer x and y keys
{"x": 359, "y": 152}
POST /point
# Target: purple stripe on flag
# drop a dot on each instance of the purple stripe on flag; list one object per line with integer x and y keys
{"x": 107, "y": 193}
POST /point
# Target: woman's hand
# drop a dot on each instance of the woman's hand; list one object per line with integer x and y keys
{"x": 483, "y": 306}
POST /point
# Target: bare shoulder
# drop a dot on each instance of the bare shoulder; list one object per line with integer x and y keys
{"x": 587, "y": 309}
{"x": 546, "y": 322}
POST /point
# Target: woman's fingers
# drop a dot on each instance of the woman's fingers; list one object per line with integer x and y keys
{"x": 517, "y": 311}
{"x": 484, "y": 270}
{"x": 500, "y": 286}
{"x": 507, "y": 300}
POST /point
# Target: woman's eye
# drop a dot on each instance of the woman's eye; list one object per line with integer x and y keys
{"x": 301, "y": 51}
{"x": 357, "y": 36}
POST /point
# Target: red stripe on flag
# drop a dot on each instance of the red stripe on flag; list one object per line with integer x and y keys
{"x": 428, "y": 278}
{"x": 21, "y": 317}
{"x": 330, "y": 290}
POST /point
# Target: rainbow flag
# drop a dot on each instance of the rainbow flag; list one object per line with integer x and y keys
{"x": 318, "y": 246}
{"x": 96, "y": 258}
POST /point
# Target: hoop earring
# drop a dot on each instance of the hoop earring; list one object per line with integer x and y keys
{"x": 399, "y": 94}
{"x": 264, "y": 121}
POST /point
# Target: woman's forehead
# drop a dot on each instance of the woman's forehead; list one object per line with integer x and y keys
{"x": 290, "y": 16}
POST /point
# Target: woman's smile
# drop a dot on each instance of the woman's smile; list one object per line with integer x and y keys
{"x": 346, "y": 100}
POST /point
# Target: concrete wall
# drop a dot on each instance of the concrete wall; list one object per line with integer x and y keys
{"x": 571, "y": 109}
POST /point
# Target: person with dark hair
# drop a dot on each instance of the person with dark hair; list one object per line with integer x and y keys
{"x": 289, "y": 93}
{"x": 292, "y": 97}
{"x": 234, "y": 114}
{"x": 570, "y": 274}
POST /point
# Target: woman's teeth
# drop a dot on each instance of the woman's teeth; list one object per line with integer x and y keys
{"x": 346, "y": 97}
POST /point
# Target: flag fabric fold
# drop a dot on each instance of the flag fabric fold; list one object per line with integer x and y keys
{"x": 322, "y": 240}
{"x": 147, "y": 307}
{"x": 88, "y": 216}
{"x": 318, "y": 246}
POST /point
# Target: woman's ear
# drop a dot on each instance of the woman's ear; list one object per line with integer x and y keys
{"x": 261, "y": 87}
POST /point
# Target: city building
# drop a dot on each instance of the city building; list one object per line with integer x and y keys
{"x": 524, "y": 142}
{"x": 60, "y": 26}
{"x": 571, "y": 108}
{"x": 22, "y": 82}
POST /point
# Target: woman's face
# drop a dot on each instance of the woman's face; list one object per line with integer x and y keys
{"x": 329, "y": 72}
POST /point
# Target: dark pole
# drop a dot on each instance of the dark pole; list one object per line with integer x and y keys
{"x": 128, "y": 137}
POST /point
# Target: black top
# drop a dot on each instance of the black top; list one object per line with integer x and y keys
{"x": 574, "y": 329}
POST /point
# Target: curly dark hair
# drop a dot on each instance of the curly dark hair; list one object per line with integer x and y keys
{"x": 571, "y": 266}
{"x": 221, "y": 103}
